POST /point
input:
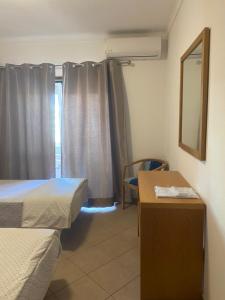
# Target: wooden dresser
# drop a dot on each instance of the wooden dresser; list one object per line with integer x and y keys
{"x": 172, "y": 240}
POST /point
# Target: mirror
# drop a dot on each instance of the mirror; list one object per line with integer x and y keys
{"x": 194, "y": 96}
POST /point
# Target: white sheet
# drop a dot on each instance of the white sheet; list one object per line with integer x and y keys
{"x": 52, "y": 203}
{"x": 27, "y": 260}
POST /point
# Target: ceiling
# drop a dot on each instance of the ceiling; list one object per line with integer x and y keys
{"x": 23, "y": 18}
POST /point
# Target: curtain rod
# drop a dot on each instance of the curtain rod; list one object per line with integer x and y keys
{"x": 122, "y": 62}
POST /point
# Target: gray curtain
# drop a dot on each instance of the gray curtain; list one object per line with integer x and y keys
{"x": 93, "y": 126}
{"x": 27, "y": 121}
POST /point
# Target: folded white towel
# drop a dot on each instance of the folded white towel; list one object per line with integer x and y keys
{"x": 175, "y": 192}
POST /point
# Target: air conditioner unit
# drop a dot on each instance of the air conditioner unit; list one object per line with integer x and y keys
{"x": 134, "y": 47}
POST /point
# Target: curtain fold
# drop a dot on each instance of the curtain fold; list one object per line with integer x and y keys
{"x": 27, "y": 121}
{"x": 93, "y": 126}
{"x": 118, "y": 130}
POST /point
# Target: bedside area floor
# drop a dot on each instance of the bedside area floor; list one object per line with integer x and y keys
{"x": 100, "y": 257}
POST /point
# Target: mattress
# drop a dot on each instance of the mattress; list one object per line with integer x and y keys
{"x": 27, "y": 260}
{"x": 53, "y": 203}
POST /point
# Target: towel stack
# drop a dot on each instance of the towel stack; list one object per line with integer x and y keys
{"x": 175, "y": 192}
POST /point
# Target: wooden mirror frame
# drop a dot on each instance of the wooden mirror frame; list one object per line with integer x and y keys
{"x": 203, "y": 38}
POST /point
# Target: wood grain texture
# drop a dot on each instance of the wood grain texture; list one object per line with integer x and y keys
{"x": 171, "y": 233}
{"x": 149, "y": 180}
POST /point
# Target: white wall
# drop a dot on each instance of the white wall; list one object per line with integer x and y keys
{"x": 207, "y": 177}
{"x": 144, "y": 83}
{"x": 145, "y": 90}
{"x": 53, "y": 50}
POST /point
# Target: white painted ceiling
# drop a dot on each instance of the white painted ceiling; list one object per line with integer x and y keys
{"x": 21, "y": 18}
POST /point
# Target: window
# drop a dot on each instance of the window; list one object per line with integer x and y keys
{"x": 58, "y": 118}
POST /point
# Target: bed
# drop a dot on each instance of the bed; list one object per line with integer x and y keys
{"x": 27, "y": 260}
{"x": 53, "y": 203}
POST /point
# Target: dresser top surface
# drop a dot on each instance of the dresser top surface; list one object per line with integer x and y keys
{"x": 148, "y": 180}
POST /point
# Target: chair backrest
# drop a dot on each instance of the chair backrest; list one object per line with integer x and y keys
{"x": 154, "y": 164}
{"x": 147, "y": 164}
{"x": 151, "y": 165}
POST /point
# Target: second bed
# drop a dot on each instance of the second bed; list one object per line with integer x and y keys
{"x": 53, "y": 203}
{"x": 27, "y": 261}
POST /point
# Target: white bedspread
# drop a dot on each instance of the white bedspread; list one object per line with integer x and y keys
{"x": 52, "y": 203}
{"x": 27, "y": 259}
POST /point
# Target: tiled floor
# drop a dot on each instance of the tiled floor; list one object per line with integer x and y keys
{"x": 100, "y": 258}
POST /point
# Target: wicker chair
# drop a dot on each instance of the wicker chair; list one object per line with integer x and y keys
{"x": 147, "y": 164}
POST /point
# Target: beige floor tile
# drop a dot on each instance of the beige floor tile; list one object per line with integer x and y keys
{"x": 49, "y": 292}
{"x": 90, "y": 259}
{"x": 94, "y": 257}
{"x": 91, "y": 235}
{"x": 49, "y": 296}
{"x": 92, "y": 229}
{"x": 118, "y": 220}
{"x": 131, "y": 291}
{"x": 74, "y": 237}
{"x": 115, "y": 246}
{"x": 104, "y": 245}
{"x": 65, "y": 273}
{"x": 67, "y": 253}
{"x": 98, "y": 234}
{"x": 123, "y": 222}
{"x": 130, "y": 261}
{"x": 117, "y": 273}
{"x": 83, "y": 289}
{"x": 130, "y": 235}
